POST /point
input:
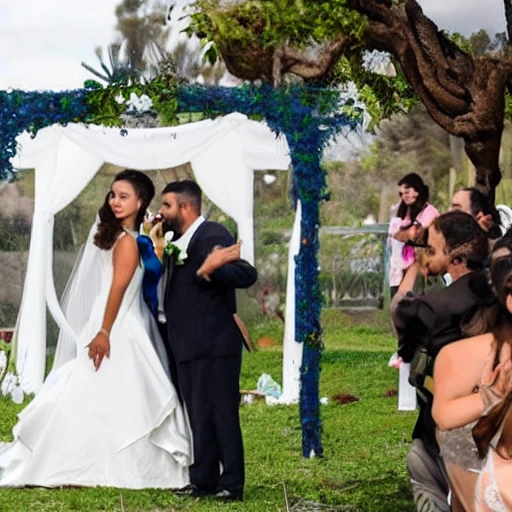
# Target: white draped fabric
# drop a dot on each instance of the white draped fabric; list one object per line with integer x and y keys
{"x": 292, "y": 350}
{"x": 223, "y": 153}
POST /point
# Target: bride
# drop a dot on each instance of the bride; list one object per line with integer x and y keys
{"x": 107, "y": 414}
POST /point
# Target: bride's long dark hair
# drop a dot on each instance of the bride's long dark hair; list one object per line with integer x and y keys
{"x": 109, "y": 227}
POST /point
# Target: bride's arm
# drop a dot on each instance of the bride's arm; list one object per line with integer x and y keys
{"x": 125, "y": 261}
{"x": 457, "y": 372}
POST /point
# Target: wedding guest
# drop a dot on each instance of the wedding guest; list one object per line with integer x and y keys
{"x": 413, "y": 215}
{"x": 473, "y": 396}
{"x": 107, "y": 414}
{"x": 205, "y": 340}
{"x": 425, "y": 324}
{"x": 477, "y": 204}
{"x": 492, "y": 434}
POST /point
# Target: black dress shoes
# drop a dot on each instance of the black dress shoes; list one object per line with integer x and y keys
{"x": 227, "y": 495}
{"x": 193, "y": 491}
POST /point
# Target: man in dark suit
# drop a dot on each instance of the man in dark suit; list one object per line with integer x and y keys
{"x": 204, "y": 338}
{"x": 455, "y": 245}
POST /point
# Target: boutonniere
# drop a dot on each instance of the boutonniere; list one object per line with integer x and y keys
{"x": 171, "y": 249}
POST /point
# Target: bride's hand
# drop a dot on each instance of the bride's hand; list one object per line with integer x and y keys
{"x": 98, "y": 349}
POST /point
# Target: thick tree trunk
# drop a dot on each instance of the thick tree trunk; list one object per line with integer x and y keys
{"x": 462, "y": 93}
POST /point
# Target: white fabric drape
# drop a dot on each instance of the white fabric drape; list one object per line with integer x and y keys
{"x": 292, "y": 350}
{"x": 236, "y": 195}
{"x": 222, "y": 152}
{"x": 63, "y": 169}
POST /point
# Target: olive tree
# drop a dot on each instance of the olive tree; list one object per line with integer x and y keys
{"x": 273, "y": 40}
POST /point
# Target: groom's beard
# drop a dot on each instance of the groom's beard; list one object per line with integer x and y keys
{"x": 174, "y": 226}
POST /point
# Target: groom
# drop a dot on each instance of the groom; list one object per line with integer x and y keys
{"x": 203, "y": 337}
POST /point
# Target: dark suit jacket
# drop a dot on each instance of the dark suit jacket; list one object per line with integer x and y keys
{"x": 199, "y": 313}
{"x": 433, "y": 321}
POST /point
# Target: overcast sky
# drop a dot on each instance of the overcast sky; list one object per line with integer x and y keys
{"x": 466, "y": 16}
{"x": 43, "y": 42}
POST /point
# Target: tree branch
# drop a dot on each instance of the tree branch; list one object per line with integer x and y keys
{"x": 462, "y": 93}
{"x": 312, "y": 62}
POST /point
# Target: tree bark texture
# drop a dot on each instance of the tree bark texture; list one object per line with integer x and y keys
{"x": 464, "y": 94}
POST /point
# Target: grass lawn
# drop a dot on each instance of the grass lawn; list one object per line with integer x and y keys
{"x": 365, "y": 442}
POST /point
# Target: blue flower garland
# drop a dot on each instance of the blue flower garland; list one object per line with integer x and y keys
{"x": 31, "y": 111}
{"x": 307, "y": 117}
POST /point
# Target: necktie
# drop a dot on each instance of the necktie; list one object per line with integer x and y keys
{"x": 169, "y": 263}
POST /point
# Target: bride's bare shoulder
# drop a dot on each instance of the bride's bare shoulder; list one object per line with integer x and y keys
{"x": 125, "y": 249}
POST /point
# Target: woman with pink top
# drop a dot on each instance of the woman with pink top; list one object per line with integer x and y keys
{"x": 414, "y": 214}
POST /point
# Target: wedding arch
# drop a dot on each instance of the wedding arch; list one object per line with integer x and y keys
{"x": 223, "y": 154}
{"x": 67, "y": 157}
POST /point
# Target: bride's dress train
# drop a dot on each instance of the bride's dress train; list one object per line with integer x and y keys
{"x": 122, "y": 426}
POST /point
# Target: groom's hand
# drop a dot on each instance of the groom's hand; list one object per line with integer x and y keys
{"x": 219, "y": 257}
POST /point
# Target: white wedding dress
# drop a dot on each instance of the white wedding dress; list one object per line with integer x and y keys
{"x": 122, "y": 426}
